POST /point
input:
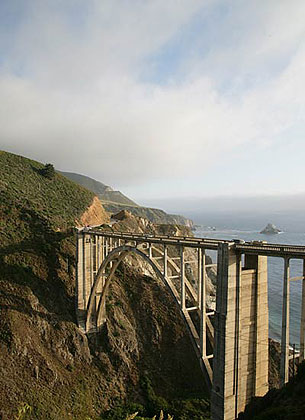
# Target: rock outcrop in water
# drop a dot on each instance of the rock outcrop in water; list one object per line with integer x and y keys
{"x": 270, "y": 229}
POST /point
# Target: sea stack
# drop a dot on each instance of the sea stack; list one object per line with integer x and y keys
{"x": 270, "y": 229}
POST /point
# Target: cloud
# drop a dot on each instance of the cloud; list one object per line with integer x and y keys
{"x": 72, "y": 93}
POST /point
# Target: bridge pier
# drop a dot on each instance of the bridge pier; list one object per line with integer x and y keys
{"x": 84, "y": 276}
{"x": 240, "y": 364}
{"x": 182, "y": 279}
{"x": 202, "y": 304}
{"x": 284, "y": 372}
{"x": 302, "y": 327}
{"x": 165, "y": 261}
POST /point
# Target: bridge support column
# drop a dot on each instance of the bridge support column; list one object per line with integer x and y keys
{"x": 94, "y": 256}
{"x": 302, "y": 328}
{"x": 106, "y": 250}
{"x": 165, "y": 261}
{"x": 284, "y": 373}
{"x": 199, "y": 275}
{"x": 80, "y": 308}
{"x": 103, "y": 248}
{"x": 240, "y": 364}
{"x": 84, "y": 276}
{"x": 202, "y": 304}
{"x": 254, "y": 328}
{"x": 182, "y": 279}
{"x": 98, "y": 251}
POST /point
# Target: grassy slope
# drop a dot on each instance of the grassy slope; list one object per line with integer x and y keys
{"x": 45, "y": 361}
{"x": 24, "y": 192}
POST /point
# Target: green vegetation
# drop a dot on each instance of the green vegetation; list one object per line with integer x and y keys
{"x": 48, "y": 171}
{"x": 121, "y": 414}
{"x": 195, "y": 409}
{"x": 24, "y": 412}
{"x": 27, "y": 197}
{"x": 178, "y": 409}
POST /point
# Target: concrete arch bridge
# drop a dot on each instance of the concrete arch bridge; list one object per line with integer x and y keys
{"x": 231, "y": 339}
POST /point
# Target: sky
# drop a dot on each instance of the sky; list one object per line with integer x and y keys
{"x": 164, "y": 100}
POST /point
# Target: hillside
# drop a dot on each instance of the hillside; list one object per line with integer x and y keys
{"x": 49, "y": 369}
{"x": 287, "y": 403}
{"x": 115, "y": 201}
{"x": 24, "y": 192}
{"x": 104, "y": 192}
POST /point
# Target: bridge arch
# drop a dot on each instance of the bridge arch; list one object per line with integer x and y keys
{"x": 117, "y": 256}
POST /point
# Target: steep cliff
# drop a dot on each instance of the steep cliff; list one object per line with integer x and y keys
{"x": 94, "y": 215}
{"x": 157, "y": 216}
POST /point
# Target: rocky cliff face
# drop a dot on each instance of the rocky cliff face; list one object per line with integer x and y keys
{"x": 181, "y": 220}
{"x": 156, "y": 216}
{"x": 94, "y": 215}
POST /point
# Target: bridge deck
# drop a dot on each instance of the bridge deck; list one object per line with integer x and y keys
{"x": 254, "y": 247}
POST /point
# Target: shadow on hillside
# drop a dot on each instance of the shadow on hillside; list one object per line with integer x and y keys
{"x": 22, "y": 305}
{"x": 54, "y": 291}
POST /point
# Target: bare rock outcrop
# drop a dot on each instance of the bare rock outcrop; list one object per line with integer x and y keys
{"x": 94, "y": 215}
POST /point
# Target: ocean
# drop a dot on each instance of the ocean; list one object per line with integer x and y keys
{"x": 247, "y": 227}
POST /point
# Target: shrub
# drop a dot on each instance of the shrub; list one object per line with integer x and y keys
{"x": 48, "y": 171}
{"x": 24, "y": 412}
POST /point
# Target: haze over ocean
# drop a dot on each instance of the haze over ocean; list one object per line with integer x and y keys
{"x": 247, "y": 226}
